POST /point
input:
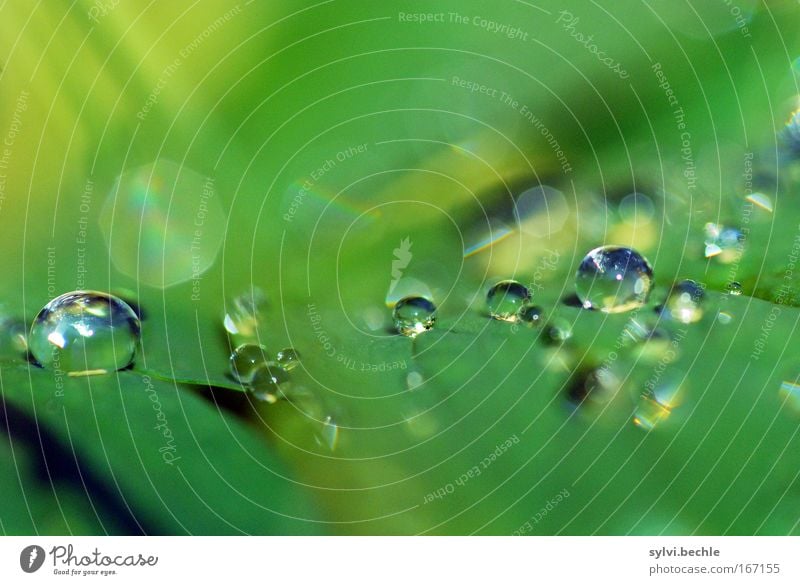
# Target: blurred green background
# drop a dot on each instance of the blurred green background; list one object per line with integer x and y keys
{"x": 310, "y": 141}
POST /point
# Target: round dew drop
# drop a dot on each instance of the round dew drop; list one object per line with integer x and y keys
{"x": 246, "y": 359}
{"x": 735, "y": 289}
{"x": 414, "y": 315}
{"x": 269, "y": 381}
{"x": 613, "y": 279}
{"x": 85, "y": 332}
{"x": 684, "y": 302}
{"x": 288, "y": 358}
{"x": 506, "y": 299}
{"x": 531, "y": 315}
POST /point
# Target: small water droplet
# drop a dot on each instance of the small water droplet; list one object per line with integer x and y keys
{"x": 558, "y": 331}
{"x": 288, "y": 358}
{"x": 328, "y": 435}
{"x": 14, "y": 340}
{"x": 531, "y": 315}
{"x": 85, "y": 332}
{"x": 613, "y": 279}
{"x": 414, "y": 315}
{"x": 789, "y": 392}
{"x": 506, "y": 298}
{"x": 269, "y": 382}
{"x": 656, "y": 405}
{"x": 724, "y": 317}
{"x": 246, "y": 359}
{"x": 684, "y": 303}
{"x": 414, "y": 380}
{"x": 649, "y": 413}
{"x": 734, "y": 288}
{"x": 790, "y": 135}
{"x": 725, "y": 244}
{"x": 245, "y": 314}
{"x": 760, "y": 200}
{"x": 597, "y": 386}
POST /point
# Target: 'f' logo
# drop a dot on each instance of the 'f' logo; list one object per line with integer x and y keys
{"x": 31, "y": 558}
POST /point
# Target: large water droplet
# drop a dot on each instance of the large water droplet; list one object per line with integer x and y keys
{"x": 506, "y": 298}
{"x": 246, "y": 359}
{"x": 163, "y": 224}
{"x": 85, "y": 332}
{"x": 684, "y": 302}
{"x": 414, "y": 315}
{"x": 269, "y": 382}
{"x": 613, "y": 279}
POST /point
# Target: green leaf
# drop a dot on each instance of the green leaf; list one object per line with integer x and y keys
{"x": 176, "y": 462}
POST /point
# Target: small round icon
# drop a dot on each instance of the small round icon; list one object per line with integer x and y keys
{"x": 31, "y": 558}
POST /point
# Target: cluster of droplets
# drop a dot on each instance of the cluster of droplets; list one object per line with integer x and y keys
{"x": 266, "y": 378}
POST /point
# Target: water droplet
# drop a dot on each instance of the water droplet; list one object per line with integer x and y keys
{"x": 420, "y": 423}
{"x": 414, "y": 315}
{"x": 269, "y": 382}
{"x": 760, "y": 200}
{"x": 246, "y": 359}
{"x": 791, "y": 133}
{"x": 245, "y": 314}
{"x": 14, "y": 341}
{"x": 734, "y": 288}
{"x": 649, "y": 413}
{"x": 531, "y": 315}
{"x": 723, "y": 243}
{"x": 288, "y": 358}
{"x": 163, "y": 224}
{"x": 668, "y": 392}
{"x": 684, "y": 302}
{"x": 790, "y": 393}
{"x": 414, "y": 380}
{"x": 659, "y": 402}
{"x": 598, "y": 386}
{"x": 328, "y": 435}
{"x": 85, "y": 332}
{"x": 724, "y": 317}
{"x": 613, "y": 279}
{"x": 506, "y": 298}
{"x": 558, "y": 331}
